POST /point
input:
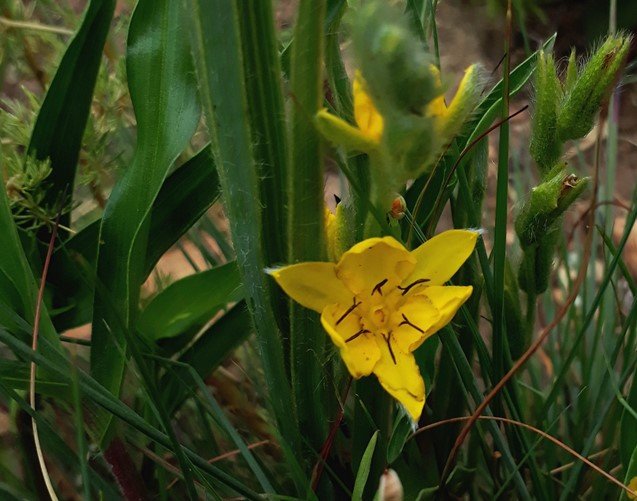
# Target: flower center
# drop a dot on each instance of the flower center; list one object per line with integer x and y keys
{"x": 376, "y": 312}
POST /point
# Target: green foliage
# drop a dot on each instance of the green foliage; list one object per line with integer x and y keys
{"x": 198, "y": 378}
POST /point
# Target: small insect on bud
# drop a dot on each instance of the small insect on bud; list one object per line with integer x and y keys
{"x": 390, "y": 488}
{"x": 398, "y": 208}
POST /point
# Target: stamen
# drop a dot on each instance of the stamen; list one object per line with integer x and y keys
{"x": 388, "y": 341}
{"x": 419, "y": 281}
{"x": 360, "y": 332}
{"x": 349, "y": 310}
{"x": 407, "y": 322}
{"x": 377, "y": 287}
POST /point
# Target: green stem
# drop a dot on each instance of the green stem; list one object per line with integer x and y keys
{"x": 305, "y": 218}
{"x": 529, "y": 324}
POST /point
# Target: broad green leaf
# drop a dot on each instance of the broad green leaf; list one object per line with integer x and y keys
{"x": 62, "y": 118}
{"x": 363, "y": 469}
{"x": 216, "y": 42}
{"x": 163, "y": 92}
{"x": 184, "y": 197}
{"x": 190, "y": 302}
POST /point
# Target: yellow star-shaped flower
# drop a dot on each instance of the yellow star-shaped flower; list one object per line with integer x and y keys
{"x": 380, "y": 302}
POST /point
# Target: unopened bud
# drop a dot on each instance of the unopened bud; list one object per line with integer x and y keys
{"x": 398, "y": 208}
{"x": 571, "y": 72}
{"x": 545, "y": 147}
{"x": 390, "y": 488}
{"x": 538, "y": 223}
{"x": 338, "y": 231}
{"x": 547, "y": 202}
{"x": 592, "y": 87}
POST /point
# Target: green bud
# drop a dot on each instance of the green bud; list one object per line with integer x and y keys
{"x": 545, "y": 147}
{"x": 546, "y": 204}
{"x": 593, "y": 85}
{"x": 571, "y": 72}
{"x": 392, "y": 60}
{"x": 538, "y": 226}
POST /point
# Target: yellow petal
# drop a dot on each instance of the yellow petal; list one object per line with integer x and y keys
{"x": 369, "y": 121}
{"x": 447, "y": 299}
{"x": 633, "y": 487}
{"x": 373, "y": 260}
{"x": 314, "y": 285}
{"x": 437, "y": 107}
{"x": 359, "y": 354}
{"x": 462, "y": 104}
{"x": 340, "y": 133}
{"x": 439, "y": 258}
{"x": 400, "y": 377}
{"x": 416, "y": 321}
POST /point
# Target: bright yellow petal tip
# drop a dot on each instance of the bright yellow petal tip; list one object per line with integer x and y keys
{"x": 633, "y": 487}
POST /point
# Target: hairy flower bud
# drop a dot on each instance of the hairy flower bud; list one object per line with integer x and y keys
{"x": 547, "y": 202}
{"x": 592, "y": 86}
{"x": 392, "y": 60}
{"x": 545, "y": 148}
{"x": 538, "y": 223}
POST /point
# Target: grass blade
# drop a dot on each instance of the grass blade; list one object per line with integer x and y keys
{"x": 363, "y": 468}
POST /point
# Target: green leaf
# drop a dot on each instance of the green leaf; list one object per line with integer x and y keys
{"x": 403, "y": 428}
{"x": 206, "y": 354}
{"x": 163, "y": 93}
{"x": 190, "y": 302}
{"x": 218, "y": 54}
{"x": 184, "y": 197}
{"x": 363, "y": 469}
{"x": 62, "y": 118}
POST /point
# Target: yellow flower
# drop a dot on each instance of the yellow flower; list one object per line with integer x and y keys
{"x": 367, "y": 135}
{"x": 380, "y": 302}
{"x": 633, "y": 487}
{"x": 370, "y": 125}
